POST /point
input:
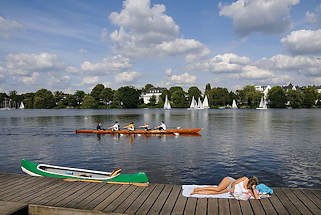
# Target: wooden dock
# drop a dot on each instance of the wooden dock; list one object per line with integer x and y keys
{"x": 154, "y": 199}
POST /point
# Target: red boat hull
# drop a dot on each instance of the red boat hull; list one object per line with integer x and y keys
{"x": 170, "y": 131}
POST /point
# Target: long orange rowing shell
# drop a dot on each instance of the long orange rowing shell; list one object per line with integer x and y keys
{"x": 170, "y": 131}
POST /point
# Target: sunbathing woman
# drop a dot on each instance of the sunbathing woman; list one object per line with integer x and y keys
{"x": 229, "y": 184}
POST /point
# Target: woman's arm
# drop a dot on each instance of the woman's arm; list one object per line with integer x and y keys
{"x": 256, "y": 196}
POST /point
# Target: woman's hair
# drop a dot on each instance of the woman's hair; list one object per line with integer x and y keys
{"x": 252, "y": 181}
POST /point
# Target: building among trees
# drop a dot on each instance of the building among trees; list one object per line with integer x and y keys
{"x": 153, "y": 91}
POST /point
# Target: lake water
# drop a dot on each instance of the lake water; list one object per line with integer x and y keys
{"x": 280, "y": 147}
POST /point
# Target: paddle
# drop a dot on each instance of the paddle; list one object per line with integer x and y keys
{"x": 108, "y": 182}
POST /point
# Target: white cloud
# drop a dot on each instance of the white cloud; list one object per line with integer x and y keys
{"x": 127, "y": 77}
{"x": 253, "y": 72}
{"x": 314, "y": 17}
{"x": 7, "y": 25}
{"x": 184, "y": 78}
{"x": 228, "y": 62}
{"x": 108, "y": 65}
{"x": 300, "y": 64}
{"x": 83, "y": 51}
{"x": 169, "y": 72}
{"x": 29, "y": 79}
{"x": 303, "y": 42}
{"x": 90, "y": 80}
{"x": 25, "y": 64}
{"x": 146, "y": 31}
{"x": 317, "y": 80}
{"x": 72, "y": 70}
{"x": 265, "y": 16}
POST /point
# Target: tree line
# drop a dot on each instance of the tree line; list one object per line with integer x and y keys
{"x": 102, "y": 97}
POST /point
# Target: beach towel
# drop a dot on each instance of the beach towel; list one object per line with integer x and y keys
{"x": 188, "y": 189}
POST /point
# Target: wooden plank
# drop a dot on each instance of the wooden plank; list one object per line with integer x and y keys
{"x": 190, "y": 206}
{"x": 120, "y": 199}
{"x": 235, "y": 206}
{"x": 107, "y": 201}
{"x": 151, "y": 199}
{"x": 306, "y": 201}
{"x": 73, "y": 189}
{"x": 141, "y": 199}
{"x": 4, "y": 179}
{"x": 256, "y": 206}
{"x": 75, "y": 196}
{"x": 34, "y": 195}
{"x": 45, "y": 194}
{"x": 102, "y": 188}
{"x": 26, "y": 192}
{"x": 296, "y": 202}
{"x": 286, "y": 202}
{"x": 201, "y": 206}
{"x": 65, "y": 187}
{"x": 129, "y": 200}
{"x": 317, "y": 193}
{"x": 246, "y": 208}
{"x": 267, "y": 206}
{"x": 23, "y": 189}
{"x": 76, "y": 201}
{"x": 171, "y": 200}
{"x": 277, "y": 204}
{"x": 212, "y": 206}
{"x": 9, "y": 208}
{"x": 180, "y": 204}
{"x": 159, "y": 203}
{"x": 16, "y": 183}
{"x": 312, "y": 197}
{"x": 108, "y": 191}
{"x": 223, "y": 206}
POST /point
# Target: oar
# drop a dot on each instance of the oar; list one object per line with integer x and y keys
{"x": 108, "y": 182}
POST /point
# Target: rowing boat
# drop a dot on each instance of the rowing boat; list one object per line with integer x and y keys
{"x": 36, "y": 169}
{"x": 169, "y": 131}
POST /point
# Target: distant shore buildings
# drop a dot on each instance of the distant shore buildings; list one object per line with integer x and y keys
{"x": 153, "y": 91}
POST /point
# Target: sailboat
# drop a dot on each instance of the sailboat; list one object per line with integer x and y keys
{"x": 167, "y": 105}
{"x": 193, "y": 104}
{"x": 205, "y": 103}
{"x": 199, "y": 104}
{"x": 262, "y": 105}
{"x": 21, "y": 106}
{"x": 234, "y": 106}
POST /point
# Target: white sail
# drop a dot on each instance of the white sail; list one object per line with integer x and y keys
{"x": 205, "y": 102}
{"x": 262, "y": 104}
{"x": 234, "y": 106}
{"x": 167, "y": 105}
{"x": 200, "y": 104}
{"x": 22, "y": 106}
{"x": 193, "y": 105}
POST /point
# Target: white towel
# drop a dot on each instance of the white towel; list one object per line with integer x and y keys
{"x": 188, "y": 189}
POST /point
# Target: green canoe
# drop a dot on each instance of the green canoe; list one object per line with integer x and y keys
{"x": 35, "y": 169}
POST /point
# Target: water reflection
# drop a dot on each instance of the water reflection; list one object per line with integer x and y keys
{"x": 281, "y": 147}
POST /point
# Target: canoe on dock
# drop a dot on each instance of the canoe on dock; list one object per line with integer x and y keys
{"x": 75, "y": 174}
{"x": 169, "y": 131}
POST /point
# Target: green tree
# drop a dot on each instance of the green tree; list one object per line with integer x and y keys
{"x": 207, "y": 88}
{"x": 218, "y": 96}
{"x": 249, "y": 96}
{"x": 147, "y": 87}
{"x": 44, "y": 99}
{"x": 194, "y": 91}
{"x": 165, "y": 93}
{"x": 295, "y": 97}
{"x": 59, "y": 96}
{"x": 79, "y": 96}
{"x": 89, "y": 102}
{"x": 152, "y": 100}
{"x": 107, "y": 95}
{"x": 175, "y": 88}
{"x": 310, "y": 95}
{"x": 28, "y": 100}
{"x": 277, "y": 97}
{"x": 71, "y": 101}
{"x": 96, "y": 92}
{"x": 127, "y": 97}
{"x": 179, "y": 99}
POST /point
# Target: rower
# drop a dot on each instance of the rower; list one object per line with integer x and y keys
{"x": 145, "y": 126}
{"x": 99, "y": 128}
{"x": 162, "y": 126}
{"x": 130, "y": 127}
{"x": 115, "y": 127}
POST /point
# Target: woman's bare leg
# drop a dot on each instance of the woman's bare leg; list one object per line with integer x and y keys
{"x": 222, "y": 186}
{"x": 209, "y": 192}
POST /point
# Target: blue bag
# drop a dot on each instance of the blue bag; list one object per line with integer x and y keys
{"x": 264, "y": 189}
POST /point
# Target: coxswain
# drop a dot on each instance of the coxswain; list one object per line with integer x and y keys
{"x": 99, "y": 128}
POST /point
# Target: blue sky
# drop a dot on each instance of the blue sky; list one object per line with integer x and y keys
{"x": 74, "y": 45}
